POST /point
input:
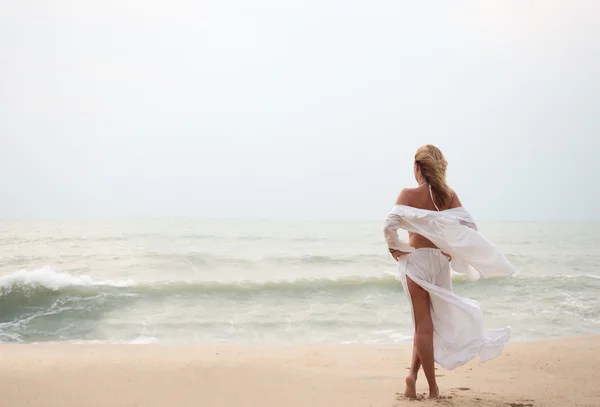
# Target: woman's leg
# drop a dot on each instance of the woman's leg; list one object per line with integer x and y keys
{"x": 411, "y": 379}
{"x": 423, "y": 341}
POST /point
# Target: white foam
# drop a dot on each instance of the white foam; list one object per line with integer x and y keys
{"x": 144, "y": 340}
{"x": 55, "y": 280}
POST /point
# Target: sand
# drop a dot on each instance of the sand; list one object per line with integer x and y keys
{"x": 562, "y": 372}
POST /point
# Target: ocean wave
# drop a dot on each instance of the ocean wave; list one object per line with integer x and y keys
{"x": 26, "y": 290}
{"x": 31, "y": 291}
{"x": 27, "y": 281}
{"x": 328, "y": 260}
{"x": 52, "y": 280}
{"x": 26, "y": 296}
{"x": 206, "y": 259}
{"x": 127, "y": 236}
{"x": 27, "y": 293}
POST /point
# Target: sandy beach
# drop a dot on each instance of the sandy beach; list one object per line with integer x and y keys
{"x": 548, "y": 373}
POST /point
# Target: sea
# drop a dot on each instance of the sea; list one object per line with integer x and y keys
{"x": 184, "y": 281}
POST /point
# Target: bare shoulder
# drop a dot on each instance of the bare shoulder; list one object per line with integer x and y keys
{"x": 455, "y": 200}
{"x": 406, "y": 196}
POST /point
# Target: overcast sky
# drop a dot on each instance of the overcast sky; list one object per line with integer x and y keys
{"x": 296, "y": 109}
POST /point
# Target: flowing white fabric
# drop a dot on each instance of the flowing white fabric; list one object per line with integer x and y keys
{"x": 453, "y": 231}
{"x": 458, "y": 322}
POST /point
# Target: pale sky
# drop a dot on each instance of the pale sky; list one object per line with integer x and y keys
{"x": 296, "y": 109}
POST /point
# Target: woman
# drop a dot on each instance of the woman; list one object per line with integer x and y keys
{"x": 448, "y": 328}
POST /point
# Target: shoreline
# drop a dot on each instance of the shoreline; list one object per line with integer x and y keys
{"x": 552, "y": 372}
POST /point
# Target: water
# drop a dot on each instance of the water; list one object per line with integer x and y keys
{"x": 189, "y": 281}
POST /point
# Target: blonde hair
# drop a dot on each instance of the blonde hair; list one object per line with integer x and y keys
{"x": 433, "y": 165}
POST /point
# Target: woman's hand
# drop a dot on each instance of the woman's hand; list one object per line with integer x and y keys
{"x": 396, "y": 254}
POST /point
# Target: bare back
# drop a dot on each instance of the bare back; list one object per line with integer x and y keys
{"x": 421, "y": 197}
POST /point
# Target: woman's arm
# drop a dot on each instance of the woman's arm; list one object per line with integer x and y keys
{"x": 397, "y": 247}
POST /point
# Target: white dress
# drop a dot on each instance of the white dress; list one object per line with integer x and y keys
{"x": 459, "y": 335}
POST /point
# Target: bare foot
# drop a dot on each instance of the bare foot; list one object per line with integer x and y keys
{"x": 411, "y": 387}
{"x": 434, "y": 394}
